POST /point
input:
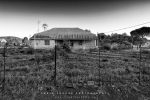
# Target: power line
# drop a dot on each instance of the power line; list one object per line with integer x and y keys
{"x": 127, "y": 27}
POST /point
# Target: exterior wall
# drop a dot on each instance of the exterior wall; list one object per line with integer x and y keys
{"x": 40, "y": 44}
{"x": 147, "y": 44}
{"x": 87, "y": 44}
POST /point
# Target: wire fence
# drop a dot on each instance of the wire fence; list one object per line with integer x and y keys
{"x": 115, "y": 67}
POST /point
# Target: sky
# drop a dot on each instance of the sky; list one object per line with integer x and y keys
{"x": 19, "y": 18}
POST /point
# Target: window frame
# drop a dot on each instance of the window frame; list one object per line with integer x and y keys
{"x": 47, "y": 42}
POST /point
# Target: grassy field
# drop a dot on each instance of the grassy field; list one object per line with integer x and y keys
{"x": 118, "y": 73}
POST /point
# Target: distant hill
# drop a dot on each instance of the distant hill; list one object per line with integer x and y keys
{"x": 12, "y": 38}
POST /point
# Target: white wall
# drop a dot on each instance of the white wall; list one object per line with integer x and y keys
{"x": 40, "y": 44}
{"x": 88, "y": 44}
{"x": 147, "y": 44}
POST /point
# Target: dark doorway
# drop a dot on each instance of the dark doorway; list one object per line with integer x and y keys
{"x": 71, "y": 44}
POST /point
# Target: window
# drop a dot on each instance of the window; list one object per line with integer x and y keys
{"x": 80, "y": 42}
{"x": 47, "y": 42}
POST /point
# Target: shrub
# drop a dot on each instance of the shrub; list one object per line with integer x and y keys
{"x": 63, "y": 53}
{"x": 66, "y": 46}
{"x": 32, "y": 59}
{"x": 122, "y": 46}
{"x": 47, "y": 57}
{"x": 22, "y": 51}
{"x": 17, "y": 57}
{"x": 104, "y": 60}
{"x": 126, "y": 60}
{"x": 114, "y": 48}
{"x": 30, "y": 51}
{"x": 93, "y": 50}
{"x": 107, "y": 47}
{"x": 38, "y": 51}
{"x": 38, "y": 58}
{"x": 58, "y": 48}
{"x": 59, "y": 52}
{"x": 145, "y": 51}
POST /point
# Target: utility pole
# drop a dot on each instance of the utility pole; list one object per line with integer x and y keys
{"x": 99, "y": 57}
{"x": 38, "y": 25}
{"x": 55, "y": 65}
{"x": 140, "y": 66}
{"x": 101, "y": 36}
{"x": 5, "y": 46}
{"x": 37, "y": 32}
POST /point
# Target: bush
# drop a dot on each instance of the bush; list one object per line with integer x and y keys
{"x": 94, "y": 50}
{"x": 38, "y": 58}
{"x": 63, "y": 53}
{"x": 22, "y": 51}
{"x": 104, "y": 60}
{"x": 32, "y": 59}
{"x": 126, "y": 60}
{"x": 58, "y": 48}
{"x": 38, "y": 51}
{"x": 114, "y": 48}
{"x": 145, "y": 51}
{"x": 122, "y": 46}
{"x": 107, "y": 47}
{"x": 17, "y": 57}
{"x": 48, "y": 57}
{"x": 30, "y": 51}
{"x": 59, "y": 52}
{"x": 66, "y": 46}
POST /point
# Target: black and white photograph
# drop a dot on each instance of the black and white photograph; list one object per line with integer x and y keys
{"x": 74, "y": 50}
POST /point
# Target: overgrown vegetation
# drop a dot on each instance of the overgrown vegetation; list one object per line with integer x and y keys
{"x": 118, "y": 75}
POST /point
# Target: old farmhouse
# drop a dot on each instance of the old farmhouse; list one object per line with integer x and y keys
{"x": 77, "y": 38}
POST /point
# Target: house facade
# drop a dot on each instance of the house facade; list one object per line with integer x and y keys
{"x": 77, "y": 38}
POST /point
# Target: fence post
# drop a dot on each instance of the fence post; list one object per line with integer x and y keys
{"x": 99, "y": 65}
{"x": 140, "y": 66}
{"x": 55, "y": 66}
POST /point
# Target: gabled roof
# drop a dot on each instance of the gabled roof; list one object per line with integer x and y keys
{"x": 3, "y": 40}
{"x": 65, "y": 34}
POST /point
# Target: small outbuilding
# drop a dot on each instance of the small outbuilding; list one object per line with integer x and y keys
{"x": 2, "y": 42}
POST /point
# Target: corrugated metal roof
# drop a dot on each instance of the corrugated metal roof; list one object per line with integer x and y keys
{"x": 65, "y": 33}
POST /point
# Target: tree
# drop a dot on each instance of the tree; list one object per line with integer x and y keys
{"x": 101, "y": 37}
{"x": 124, "y": 34}
{"x": 25, "y": 41}
{"x": 87, "y": 30}
{"x": 140, "y": 33}
{"x": 116, "y": 38}
{"x": 9, "y": 40}
{"x": 45, "y": 26}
